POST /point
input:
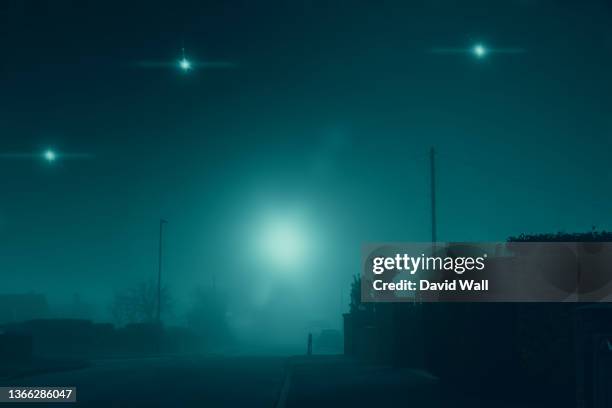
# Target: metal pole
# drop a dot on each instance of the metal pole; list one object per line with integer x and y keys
{"x": 432, "y": 160}
{"x": 159, "y": 271}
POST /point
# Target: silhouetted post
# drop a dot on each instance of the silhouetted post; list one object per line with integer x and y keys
{"x": 309, "y": 351}
{"x": 432, "y": 161}
{"x": 159, "y": 271}
{"x": 341, "y": 306}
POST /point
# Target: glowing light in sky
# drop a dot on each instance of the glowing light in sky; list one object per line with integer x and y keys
{"x": 184, "y": 64}
{"x": 479, "y": 51}
{"x": 49, "y": 155}
{"x": 283, "y": 242}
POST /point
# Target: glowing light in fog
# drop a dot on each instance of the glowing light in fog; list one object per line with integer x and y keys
{"x": 184, "y": 64}
{"x": 283, "y": 242}
{"x": 50, "y": 155}
{"x": 479, "y": 51}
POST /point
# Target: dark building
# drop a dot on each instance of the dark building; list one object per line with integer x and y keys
{"x": 553, "y": 351}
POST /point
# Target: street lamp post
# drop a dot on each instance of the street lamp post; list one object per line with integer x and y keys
{"x": 159, "y": 271}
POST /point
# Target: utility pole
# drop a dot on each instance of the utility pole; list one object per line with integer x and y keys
{"x": 432, "y": 161}
{"x": 159, "y": 271}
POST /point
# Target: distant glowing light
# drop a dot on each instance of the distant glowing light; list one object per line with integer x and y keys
{"x": 479, "y": 51}
{"x": 50, "y": 155}
{"x": 185, "y": 64}
{"x": 283, "y": 242}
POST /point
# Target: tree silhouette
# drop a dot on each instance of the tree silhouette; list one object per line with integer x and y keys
{"x": 139, "y": 304}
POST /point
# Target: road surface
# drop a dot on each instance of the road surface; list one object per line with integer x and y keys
{"x": 170, "y": 382}
{"x": 258, "y": 381}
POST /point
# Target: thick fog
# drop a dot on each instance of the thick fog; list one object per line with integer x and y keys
{"x": 271, "y": 174}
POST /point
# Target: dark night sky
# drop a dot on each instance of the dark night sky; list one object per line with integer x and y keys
{"x": 329, "y": 113}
